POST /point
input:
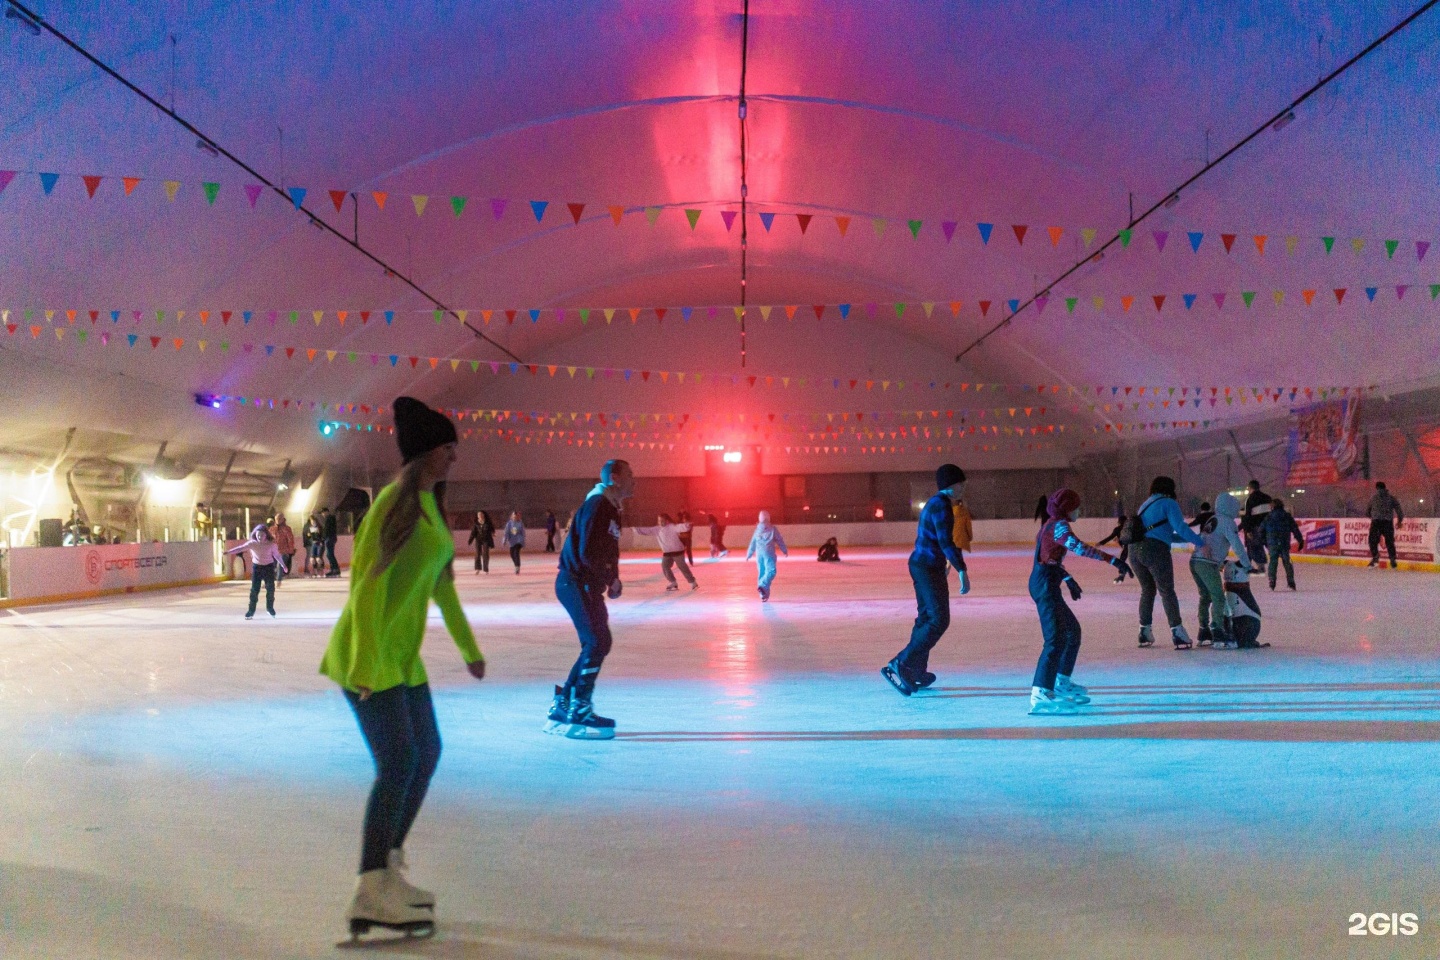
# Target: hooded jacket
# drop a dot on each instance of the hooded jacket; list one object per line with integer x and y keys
{"x": 765, "y": 541}
{"x": 1219, "y": 535}
{"x": 1279, "y": 527}
{"x": 1056, "y": 538}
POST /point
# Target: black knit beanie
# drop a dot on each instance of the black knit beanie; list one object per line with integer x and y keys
{"x": 418, "y": 429}
{"x": 947, "y": 476}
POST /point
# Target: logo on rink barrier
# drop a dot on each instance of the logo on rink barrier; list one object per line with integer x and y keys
{"x": 94, "y": 566}
{"x": 1321, "y": 536}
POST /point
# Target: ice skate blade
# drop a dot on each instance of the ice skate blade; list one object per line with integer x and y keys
{"x": 576, "y": 731}
{"x": 414, "y": 930}
{"x": 895, "y": 681}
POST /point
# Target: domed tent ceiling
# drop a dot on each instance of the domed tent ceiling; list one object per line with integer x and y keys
{"x": 921, "y": 164}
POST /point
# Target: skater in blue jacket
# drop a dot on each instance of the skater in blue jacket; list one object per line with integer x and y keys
{"x": 763, "y": 544}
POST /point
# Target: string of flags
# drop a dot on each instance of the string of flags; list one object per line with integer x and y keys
{"x": 930, "y": 309}
{"x": 1166, "y": 395}
{"x": 804, "y": 219}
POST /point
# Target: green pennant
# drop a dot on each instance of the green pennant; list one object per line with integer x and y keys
{"x": 82, "y": 334}
{"x": 584, "y": 314}
{"x": 294, "y": 316}
{"x": 458, "y": 205}
{"x": 350, "y": 356}
{"x": 1390, "y": 246}
{"x": 439, "y": 315}
{"x": 474, "y": 366}
{"x": 652, "y": 214}
{"x": 1070, "y": 303}
{"x": 899, "y": 310}
{"x": 1248, "y": 296}
{"x": 693, "y": 216}
{"x": 224, "y": 346}
{"x": 590, "y": 372}
{"x": 1125, "y": 236}
{"x": 1329, "y": 243}
{"x": 211, "y": 189}
{"x": 914, "y": 226}
{"x": 159, "y": 316}
{"x": 1434, "y": 290}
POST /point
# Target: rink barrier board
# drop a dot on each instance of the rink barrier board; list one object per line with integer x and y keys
{"x": 114, "y": 591}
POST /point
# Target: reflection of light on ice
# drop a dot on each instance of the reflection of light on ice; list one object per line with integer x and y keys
{"x": 732, "y": 660}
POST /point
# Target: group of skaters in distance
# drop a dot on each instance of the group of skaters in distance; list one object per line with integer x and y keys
{"x": 404, "y": 558}
{"x": 270, "y": 549}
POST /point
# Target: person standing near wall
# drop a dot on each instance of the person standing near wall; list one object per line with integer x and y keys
{"x": 284, "y": 536}
{"x": 1157, "y": 524}
{"x": 1385, "y": 514}
{"x": 934, "y": 549}
{"x": 1279, "y": 527}
{"x": 331, "y": 526}
{"x": 264, "y": 558}
{"x": 1052, "y": 690}
{"x": 404, "y": 557}
{"x": 482, "y": 534}
{"x": 763, "y": 543}
{"x": 687, "y": 536}
{"x": 1257, "y": 507}
{"x": 550, "y": 527}
{"x": 589, "y": 574}
{"x": 717, "y": 538}
{"x": 514, "y": 538}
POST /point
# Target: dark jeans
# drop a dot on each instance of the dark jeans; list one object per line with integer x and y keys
{"x": 685, "y": 539}
{"x": 932, "y": 616}
{"x": 1057, "y": 625}
{"x": 1279, "y": 555}
{"x": 1255, "y": 547}
{"x": 482, "y": 557}
{"x": 549, "y": 541}
{"x": 670, "y": 560}
{"x": 586, "y": 606}
{"x": 399, "y": 728}
{"x": 515, "y": 549}
{"x": 1154, "y": 568}
{"x": 330, "y": 556}
{"x": 1382, "y": 529}
{"x": 289, "y": 565}
{"x": 262, "y": 573}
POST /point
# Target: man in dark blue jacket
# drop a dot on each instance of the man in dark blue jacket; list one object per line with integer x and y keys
{"x": 934, "y": 549}
{"x": 590, "y": 572}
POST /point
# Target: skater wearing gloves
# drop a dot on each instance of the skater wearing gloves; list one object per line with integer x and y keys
{"x": 1279, "y": 527}
{"x": 1052, "y": 691}
{"x": 672, "y": 549}
{"x": 1157, "y": 524}
{"x": 589, "y": 574}
{"x": 1220, "y": 536}
{"x": 763, "y": 543}
{"x": 934, "y": 549}
{"x": 265, "y": 557}
{"x": 404, "y": 557}
{"x": 515, "y": 539}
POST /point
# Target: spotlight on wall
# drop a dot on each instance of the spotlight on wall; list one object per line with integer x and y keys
{"x": 732, "y": 456}
{"x": 11, "y": 13}
{"x": 205, "y": 146}
{"x": 327, "y": 428}
{"x": 1284, "y": 121}
{"x": 208, "y": 400}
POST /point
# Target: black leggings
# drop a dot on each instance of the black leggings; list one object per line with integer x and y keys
{"x": 262, "y": 573}
{"x": 586, "y": 605}
{"x": 399, "y": 728}
{"x": 515, "y": 549}
{"x": 482, "y": 556}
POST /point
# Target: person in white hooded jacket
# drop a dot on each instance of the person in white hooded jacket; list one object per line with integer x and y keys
{"x": 763, "y": 544}
{"x": 672, "y": 549}
{"x": 1220, "y": 535}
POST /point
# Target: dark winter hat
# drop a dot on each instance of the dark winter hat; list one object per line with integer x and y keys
{"x": 418, "y": 429}
{"x": 1163, "y": 486}
{"x": 1062, "y": 503}
{"x": 947, "y": 476}
{"x": 1380, "y": 485}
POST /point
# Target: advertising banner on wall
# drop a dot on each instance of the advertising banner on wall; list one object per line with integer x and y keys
{"x": 1322, "y": 537}
{"x": 1323, "y": 446}
{"x": 75, "y": 571}
{"x": 1415, "y": 539}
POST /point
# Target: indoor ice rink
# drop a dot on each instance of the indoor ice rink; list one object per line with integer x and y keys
{"x": 485, "y": 336}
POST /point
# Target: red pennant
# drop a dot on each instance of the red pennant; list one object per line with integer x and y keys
{"x": 225, "y": 316}
{"x": 95, "y": 315}
{"x": 804, "y": 220}
{"x": 337, "y": 197}
{"x": 1228, "y": 239}
{"x": 819, "y": 310}
{"x": 509, "y": 316}
{"x": 154, "y": 342}
{"x": 91, "y": 185}
{"x": 364, "y": 316}
{"x": 1340, "y": 295}
{"x": 984, "y": 307}
{"x": 1019, "y": 229}
{"x": 645, "y": 375}
{"x": 576, "y": 209}
{"x": 414, "y": 361}
{"x": 289, "y": 352}
{"x": 1159, "y": 299}
{"x": 660, "y": 314}
{"x": 534, "y": 368}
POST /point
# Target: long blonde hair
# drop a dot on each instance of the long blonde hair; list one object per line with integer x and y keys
{"x": 404, "y": 515}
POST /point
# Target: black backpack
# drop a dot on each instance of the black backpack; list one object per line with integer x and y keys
{"x": 1135, "y": 530}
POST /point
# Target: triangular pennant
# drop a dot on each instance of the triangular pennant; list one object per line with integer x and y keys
{"x": 1159, "y": 299}
{"x": 1370, "y": 293}
{"x": 497, "y": 207}
{"x": 337, "y": 197}
{"x": 1329, "y": 243}
{"x": 694, "y": 217}
{"x": 1055, "y": 234}
{"x": 1087, "y": 235}
{"x": 1219, "y": 301}
{"x": 914, "y": 226}
{"x": 767, "y": 220}
{"x": 7, "y": 175}
{"x": 1070, "y": 304}
{"x": 457, "y": 204}
{"x": 616, "y": 213}
{"x": 48, "y": 181}
{"x": 420, "y": 201}
{"x": 1420, "y": 247}
{"x": 1260, "y": 242}
{"x": 379, "y": 196}
{"x": 728, "y": 217}
{"x": 92, "y": 183}
{"x": 1357, "y": 244}
{"x": 1248, "y": 296}
{"x": 803, "y": 219}
{"x": 172, "y": 187}
{"x": 1189, "y": 299}
{"x": 1228, "y": 239}
{"x": 297, "y": 196}
{"x": 652, "y": 214}
{"x": 879, "y": 223}
{"x": 1279, "y": 296}
{"x": 537, "y": 207}
{"x": 1126, "y": 303}
{"x": 985, "y": 229}
{"x": 1160, "y": 237}
{"x": 1126, "y": 236}
{"x": 1340, "y": 295}
{"x": 577, "y": 210}
{"x": 1390, "y": 247}
{"x": 130, "y": 184}
{"x": 1196, "y": 238}
{"x": 1309, "y": 296}
{"x": 1020, "y": 230}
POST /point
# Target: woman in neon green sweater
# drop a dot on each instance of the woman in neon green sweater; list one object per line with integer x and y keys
{"x": 403, "y": 557}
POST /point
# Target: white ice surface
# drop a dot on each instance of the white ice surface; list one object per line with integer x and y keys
{"x": 176, "y": 782}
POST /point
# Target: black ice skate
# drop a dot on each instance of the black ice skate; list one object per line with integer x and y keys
{"x": 924, "y": 680}
{"x": 559, "y": 707}
{"x": 895, "y": 675}
{"x": 585, "y": 724}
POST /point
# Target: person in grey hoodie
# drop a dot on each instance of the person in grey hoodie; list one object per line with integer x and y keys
{"x": 1220, "y": 535}
{"x": 763, "y": 544}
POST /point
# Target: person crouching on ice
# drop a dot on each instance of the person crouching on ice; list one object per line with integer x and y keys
{"x": 763, "y": 544}
{"x": 1052, "y": 690}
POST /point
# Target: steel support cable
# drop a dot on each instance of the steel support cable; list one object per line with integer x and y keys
{"x": 211, "y": 143}
{"x": 1283, "y": 114}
